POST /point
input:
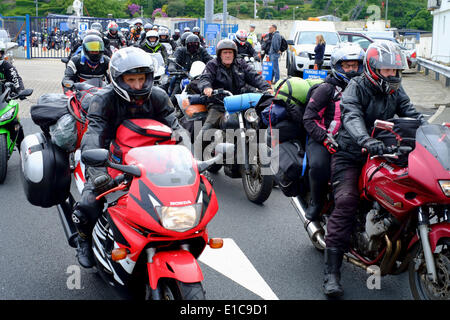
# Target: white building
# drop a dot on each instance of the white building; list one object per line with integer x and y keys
{"x": 440, "y": 50}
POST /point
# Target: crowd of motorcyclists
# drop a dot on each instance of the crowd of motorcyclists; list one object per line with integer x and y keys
{"x": 367, "y": 84}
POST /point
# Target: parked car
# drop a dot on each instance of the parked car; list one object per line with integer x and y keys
{"x": 356, "y": 37}
{"x": 302, "y": 41}
{"x": 410, "y": 54}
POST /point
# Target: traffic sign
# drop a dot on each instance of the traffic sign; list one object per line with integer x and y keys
{"x": 83, "y": 26}
{"x": 267, "y": 69}
{"x": 314, "y": 74}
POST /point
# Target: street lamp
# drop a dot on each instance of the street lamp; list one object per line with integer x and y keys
{"x": 36, "y": 1}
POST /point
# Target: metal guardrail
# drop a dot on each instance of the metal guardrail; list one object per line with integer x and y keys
{"x": 437, "y": 68}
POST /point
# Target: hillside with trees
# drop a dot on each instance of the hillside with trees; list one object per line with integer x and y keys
{"x": 411, "y": 14}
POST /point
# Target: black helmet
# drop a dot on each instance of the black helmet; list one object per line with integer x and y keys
{"x": 184, "y": 37}
{"x": 226, "y": 44}
{"x": 192, "y": 43}
{"x": 93, "y": 48}
{"x": 131, "y": 60}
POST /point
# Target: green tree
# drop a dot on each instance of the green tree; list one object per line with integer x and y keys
{"x": 175, "y": 8}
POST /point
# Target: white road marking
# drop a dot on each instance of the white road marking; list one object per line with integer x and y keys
{"x": 234, "y": 264}
{"x": 437, "y": 113}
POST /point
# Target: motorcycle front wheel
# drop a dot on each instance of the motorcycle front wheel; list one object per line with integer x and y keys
{"x": 257, "y": 186}
{"x": 172, "y": 289}
{"x": 4, "y": 155}
{"x": 423, "y": 288}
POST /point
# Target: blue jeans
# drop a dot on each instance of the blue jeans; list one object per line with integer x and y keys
{"x": 275, "y": 66}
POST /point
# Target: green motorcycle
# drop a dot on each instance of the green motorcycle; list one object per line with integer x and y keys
{"x": 10, "y": 129}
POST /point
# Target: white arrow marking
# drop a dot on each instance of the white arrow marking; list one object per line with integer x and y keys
{"x": 233, "y": 263}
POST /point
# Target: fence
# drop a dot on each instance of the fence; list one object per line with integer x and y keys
{"x": 49, "y": 36}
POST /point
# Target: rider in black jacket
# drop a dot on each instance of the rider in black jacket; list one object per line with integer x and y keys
{"x": 130, "y": 95}
{"x": 377, "y": 94}
{"x": 8, "y": 72}
{"x": 244, "y": 47}
{"x": 89, "y": 64}
{"x": 185, "y": 56}
{"x": 229, "y": 73}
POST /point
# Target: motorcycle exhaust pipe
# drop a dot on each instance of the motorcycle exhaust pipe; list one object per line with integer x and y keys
{"x": 313, "y": 229}
{"x": 65, "y": 214}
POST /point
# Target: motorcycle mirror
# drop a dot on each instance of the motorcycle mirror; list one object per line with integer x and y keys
{"x": 64, "y": 60}
{"x": 24, "y": 93}
{"x": 384, "y": 125}
{"x": 95, "y": 157}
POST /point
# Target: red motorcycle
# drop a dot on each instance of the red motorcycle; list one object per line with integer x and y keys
{"x": 147, "y": 241}
{"x": 403, "y": 221}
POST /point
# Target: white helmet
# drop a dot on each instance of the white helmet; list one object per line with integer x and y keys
{"x": 152, "y": 34}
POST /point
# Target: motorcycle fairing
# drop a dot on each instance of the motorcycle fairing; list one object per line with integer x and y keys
{"x": 177, "y": 264}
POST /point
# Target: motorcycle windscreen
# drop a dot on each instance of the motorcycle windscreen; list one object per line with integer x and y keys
{"x": 166, "y": 166}
{"x": 436, "y": 139}
{"x": 158, "y": 63}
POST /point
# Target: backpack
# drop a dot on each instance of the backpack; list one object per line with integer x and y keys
{"x": 284, "y": 45}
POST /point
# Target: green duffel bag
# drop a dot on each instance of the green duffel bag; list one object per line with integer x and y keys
{"x": 294, "y": 89}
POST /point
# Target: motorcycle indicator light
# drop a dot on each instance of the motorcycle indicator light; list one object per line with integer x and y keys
{"x": 180, "y": 219}
{"x": 445, "y": 186}
{"x": 215, "y": 243}
{"x": 119, "y": 254}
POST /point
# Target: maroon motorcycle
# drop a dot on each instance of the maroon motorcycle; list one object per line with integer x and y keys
{"x": 403, "y": 221}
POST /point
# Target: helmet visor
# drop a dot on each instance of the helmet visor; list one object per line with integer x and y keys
{"x": 94, "y": 46}
{"x": 387, "y": 57}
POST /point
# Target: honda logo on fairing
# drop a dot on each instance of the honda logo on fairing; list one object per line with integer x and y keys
{"x": 180, "y": 203}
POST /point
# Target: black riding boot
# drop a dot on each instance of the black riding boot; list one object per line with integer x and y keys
{"x": 317, "y": 190}
{"x": 333, "y": 262}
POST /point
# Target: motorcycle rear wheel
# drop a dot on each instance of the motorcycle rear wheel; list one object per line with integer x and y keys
{"x": 421, "y": 287}
{"x": 172, "y": 289}
{"x": 4, "y": 155}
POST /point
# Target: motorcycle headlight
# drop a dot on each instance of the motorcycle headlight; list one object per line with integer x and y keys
{"x": 303, "y": 54}
{"x": 8, "y": 115}
{"x": 445, "y": 186}
{"x": 250, "y": 115}
{"x": 180, "y": 219}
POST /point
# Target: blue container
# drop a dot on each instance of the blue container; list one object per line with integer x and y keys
{"x": 241, "y": 102}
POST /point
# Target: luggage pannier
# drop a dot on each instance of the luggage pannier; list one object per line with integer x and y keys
{"x": 49, "y": 108}
{"x": 134, "y": 133}
{"x": 287, "y": 167}
{"x": 45, "y": 171}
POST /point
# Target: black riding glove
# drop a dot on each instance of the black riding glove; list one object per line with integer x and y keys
{"x": 100, "y": 179}
{"x": 374, "y": 146}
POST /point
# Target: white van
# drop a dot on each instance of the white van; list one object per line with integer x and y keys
{"x": 302, "y": 41}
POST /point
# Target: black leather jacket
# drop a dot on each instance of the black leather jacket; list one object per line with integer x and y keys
{"x": 10, "y": 74}
{"x": 78, "y": 69}
{"x": 185, "y": 59}
{"x": 107, "y": 111}
{"x": 233, "y": 79}
{"x": 246, "y": 49}
{"x": 361, "y": 104}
